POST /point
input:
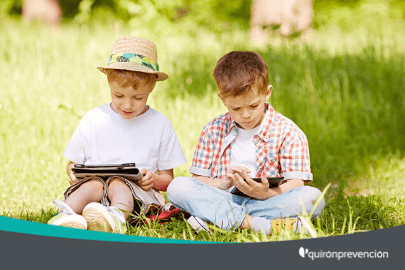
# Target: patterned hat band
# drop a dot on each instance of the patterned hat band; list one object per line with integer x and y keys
{"x": 123, "y": 57}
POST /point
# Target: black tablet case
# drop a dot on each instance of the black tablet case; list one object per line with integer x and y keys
{"x": 126, "y": 170}
{"x": 273, "y": 182}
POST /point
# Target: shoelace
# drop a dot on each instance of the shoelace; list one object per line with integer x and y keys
{"x": 64, "y": 207}
{"x": 117, "y": 214}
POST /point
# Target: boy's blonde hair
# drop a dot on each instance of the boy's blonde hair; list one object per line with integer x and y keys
{"x": 237, "y": 72}
{"x": 126, "y": 78}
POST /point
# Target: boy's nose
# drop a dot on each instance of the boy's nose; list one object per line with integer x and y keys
{"x": 246, "y": 114}
{"x": 128, "y": 105}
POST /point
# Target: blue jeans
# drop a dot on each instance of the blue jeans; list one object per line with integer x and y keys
{"x": 227, "y": 211}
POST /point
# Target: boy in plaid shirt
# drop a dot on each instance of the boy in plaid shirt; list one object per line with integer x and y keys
{"x": 251, "y": 140}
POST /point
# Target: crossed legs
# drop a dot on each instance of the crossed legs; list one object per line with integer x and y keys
{"x": 228, "y": 211}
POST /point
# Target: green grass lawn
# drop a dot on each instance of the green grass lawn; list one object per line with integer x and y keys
{"x": 346, "y": 95}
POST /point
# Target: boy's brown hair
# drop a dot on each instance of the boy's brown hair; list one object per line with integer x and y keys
{"x": 126, "y": 78}
{"x": 237, "y": 72}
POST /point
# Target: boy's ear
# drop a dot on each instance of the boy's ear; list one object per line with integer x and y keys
{"x": 268, "y": 93}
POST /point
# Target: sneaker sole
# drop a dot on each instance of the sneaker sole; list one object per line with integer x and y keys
{"x": 72, "y": 222}
{"x": 98, "y": 218}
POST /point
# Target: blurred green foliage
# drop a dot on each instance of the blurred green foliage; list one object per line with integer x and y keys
{"x": 211, "y": 13}
{"x": 349, "y": 101}
{"x": 216, "y": 15}
{"x": 348, "y": 14}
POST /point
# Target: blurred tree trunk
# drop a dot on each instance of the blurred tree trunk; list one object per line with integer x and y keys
{"x": 46, "y": 11}
{"x": 284, "y": 17}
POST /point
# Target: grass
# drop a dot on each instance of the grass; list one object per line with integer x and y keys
{"x": 347, "y": 97}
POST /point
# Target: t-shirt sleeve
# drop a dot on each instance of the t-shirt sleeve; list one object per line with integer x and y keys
{"x": 170, "y": 152}
{"x": 203, "y": 155}
{"x": 294, "y": 157}
{"x": 75, "y": 150}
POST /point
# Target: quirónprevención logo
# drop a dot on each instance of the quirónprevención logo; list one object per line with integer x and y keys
{"x": 305, "y": 253}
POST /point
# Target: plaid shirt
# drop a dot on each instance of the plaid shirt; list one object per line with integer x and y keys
{"x": 281, "y": 148}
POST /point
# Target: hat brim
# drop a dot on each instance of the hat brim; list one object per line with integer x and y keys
{"x": 160, "y": 76}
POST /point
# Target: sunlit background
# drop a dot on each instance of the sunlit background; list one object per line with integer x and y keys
{"x": 340, "y": 79}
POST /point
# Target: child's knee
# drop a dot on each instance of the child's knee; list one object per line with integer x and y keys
{"x": 315, "y": 195}
{"x": 116, "y": 182}
{"x": 178, "y": 188}
{"x": 94, "y": 184}
{"x": 117, "y": 186}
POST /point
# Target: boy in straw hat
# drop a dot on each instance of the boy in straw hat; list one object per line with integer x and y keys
{"x": 250, "y": 140}
{"x": 126, "y": 130}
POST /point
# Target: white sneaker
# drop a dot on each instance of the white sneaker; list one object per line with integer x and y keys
{"x": 67, "y": 217}
{"x": 104, "y": 218}
{"x": 198, "y": 224}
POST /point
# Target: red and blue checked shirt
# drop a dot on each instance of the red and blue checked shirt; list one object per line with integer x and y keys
{"x": 281, "y": 148}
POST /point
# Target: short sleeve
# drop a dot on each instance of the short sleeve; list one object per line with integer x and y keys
{"x": 202, "y": 160}
{"x": 294, "y": 157}
{"x": 170, "y": 152}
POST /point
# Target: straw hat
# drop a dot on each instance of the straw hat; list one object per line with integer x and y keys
{"x": 137, "y": 54}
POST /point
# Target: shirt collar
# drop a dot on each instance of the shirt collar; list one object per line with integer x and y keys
{"x": 268, "y": 122}
{"x": 264, "y": 132}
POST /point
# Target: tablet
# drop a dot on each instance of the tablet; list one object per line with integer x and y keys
{"x": 273, "y": 182}
{"x": 126, "y": 170}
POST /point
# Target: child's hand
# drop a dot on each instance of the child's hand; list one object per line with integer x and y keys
{"x": 229, "y": 181}
{"x": 147, "y": 181}
{"x": 72, "y": 177}
{"x": 250, "y": 187}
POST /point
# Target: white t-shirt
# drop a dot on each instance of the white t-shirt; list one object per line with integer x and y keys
{"x": 104, "y": 137}
{"x": 243, "y": 152}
